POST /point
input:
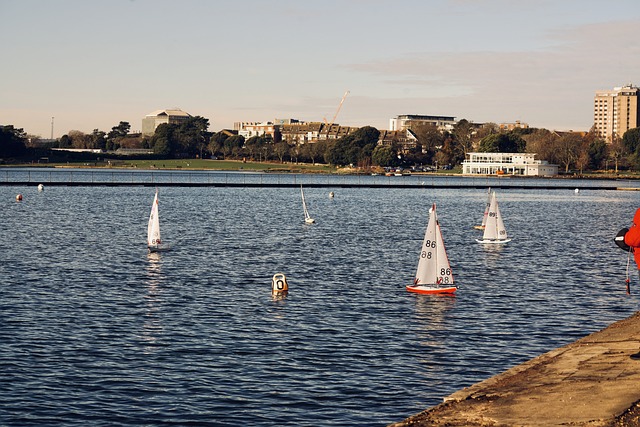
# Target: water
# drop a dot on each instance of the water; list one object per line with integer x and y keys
{"x": 95, "y": 331}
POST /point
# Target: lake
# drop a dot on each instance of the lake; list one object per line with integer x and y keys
{"x": 96, "y": 331}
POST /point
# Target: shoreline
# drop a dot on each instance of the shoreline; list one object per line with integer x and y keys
{"x": 592, "y": 381}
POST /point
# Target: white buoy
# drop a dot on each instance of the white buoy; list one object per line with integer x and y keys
{"x": 577, "y": 190}
{"x": 40, "y": 187}
{"x": 279, "y": 284}
{"x": 18, "y": 197}
{"x": 331, "y": 195}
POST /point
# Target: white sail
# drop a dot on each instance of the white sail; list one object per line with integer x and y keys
{"x": 153, "y": 229}
{"x": 494, "y": 230}
{"x": 307, "y": 217}
{"x": 433, "y": 264}
{"x": 486, "y": 209}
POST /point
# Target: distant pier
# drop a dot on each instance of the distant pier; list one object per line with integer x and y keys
{"x": 164, "y": 178}
{"x": 307, "y": 185}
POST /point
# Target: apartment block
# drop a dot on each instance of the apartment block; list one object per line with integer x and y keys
{"x": 615, "y": 111}
{"x": 407, "y": 121}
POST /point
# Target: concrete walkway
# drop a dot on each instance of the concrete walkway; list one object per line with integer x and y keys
{"x": 593, "y": 382}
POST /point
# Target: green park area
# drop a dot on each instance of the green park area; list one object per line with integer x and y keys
{"x": 194, "y": 164}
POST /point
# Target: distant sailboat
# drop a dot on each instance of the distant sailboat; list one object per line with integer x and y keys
{"x": 307, "y": 217}
{"x": 486, "y": 212}
{"x": 434, "y": 272}
{"x": 494, "y": 230}
{"x": 154, "y": 243}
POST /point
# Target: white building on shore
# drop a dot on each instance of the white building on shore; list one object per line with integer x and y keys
{"x": 523, "y": 164}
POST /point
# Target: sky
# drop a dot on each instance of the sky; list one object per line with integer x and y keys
{"x": 90, "y": 64}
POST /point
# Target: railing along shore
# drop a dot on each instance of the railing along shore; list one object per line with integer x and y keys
{"x": 115, "y": 178}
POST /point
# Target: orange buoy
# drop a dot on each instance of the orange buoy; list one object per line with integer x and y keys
{"x": 279, "y": 284}
{"x": 19, "y": 197}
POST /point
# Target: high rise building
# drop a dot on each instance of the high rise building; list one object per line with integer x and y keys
{"x": 616, "y": 111}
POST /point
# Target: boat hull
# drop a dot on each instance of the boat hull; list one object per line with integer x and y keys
{"x": 431, "y": 290}
{"x": 479, "y": 227}
{"x": 159, "y": 248}
{"x": 493, "y": 241}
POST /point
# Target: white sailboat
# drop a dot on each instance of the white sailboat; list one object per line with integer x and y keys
{"x": 434, "y": 272}
{"x": 486, "y": 212}
{"x": 307, "y": 217}
{"x": 154, "y": 242}
{"x": 494, "y": 230}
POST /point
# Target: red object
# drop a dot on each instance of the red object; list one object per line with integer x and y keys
{"x": 632, "y": 238}
{"x": 429, "y": 290}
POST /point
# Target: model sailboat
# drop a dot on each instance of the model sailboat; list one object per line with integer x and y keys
{"x": 494, "y": 230}
{"x": 307, "y": 217}
{"x": 154, "y": 242}
{"x": 434, "y": 272}
{"x": 486, "y": 212}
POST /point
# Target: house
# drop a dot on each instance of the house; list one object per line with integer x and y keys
{"x": 523, "y": 164}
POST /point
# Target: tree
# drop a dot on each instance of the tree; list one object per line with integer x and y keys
{"x": 616, "y": 150}
{"x": 121, "y": 130}
{"x": 430, "y": 140}
{"x": 281, "y": 149}
{"x": 64, "y": 142}
{"x": 568, "y": 148}
{"x": 191, "y": 137}
{"x": 383, "y": 155}
{"x": 313, "y": 150}
{"x": 186, "y": 139}
{"x": 631, "y": 143}
{"x": 79, "y": 139}
{"x": 631, "y": 140}
{"x": 354, "y": 148}
{"x": 98, "y": 139}
{"x": 116, "y": 134}
{"x": 216, "y": 142}
{"x": 462, "y": 139}
{"x": 232, "y": 145}
{"x": 258, "y": 145}
{"x": 162, "y": 141}
{"x": 508, "y": 142}
{"x": 597, "y": 149}
{"x": 541, "y": 142}
{"x": 12, "y": 141}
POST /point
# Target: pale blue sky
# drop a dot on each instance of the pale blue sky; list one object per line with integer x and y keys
{"x": 93, "y": 63}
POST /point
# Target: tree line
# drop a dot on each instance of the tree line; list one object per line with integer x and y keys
{"x": 573, "y": 151}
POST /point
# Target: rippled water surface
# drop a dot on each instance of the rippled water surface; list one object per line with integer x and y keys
{"x": 95, "y": 331}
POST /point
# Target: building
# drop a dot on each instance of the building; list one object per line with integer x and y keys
{"x": 155, "y": 119}
{"x": 404, "y": 140}
{"x": 508, "y": 164}
{"x": 301, "y": 133}
{"x": 513, "y": 125}
{"x": 293, "y": 131}
{"x": 250, "y": 129}
{"x": 407, "y": 121}
{"x": 615, "y": 111}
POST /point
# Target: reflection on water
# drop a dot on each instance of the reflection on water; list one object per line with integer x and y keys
{"x": 491, "y": 254}
{"x": 431, "y": 315}
{"x": 152, "y": 326}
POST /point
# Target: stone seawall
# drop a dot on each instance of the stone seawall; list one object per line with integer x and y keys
{"x": 593, "y": 382}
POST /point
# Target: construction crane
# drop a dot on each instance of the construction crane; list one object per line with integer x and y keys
{"x": 337, "y": 111}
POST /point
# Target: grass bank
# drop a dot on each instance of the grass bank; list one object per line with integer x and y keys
{"x": 194, "y": 164}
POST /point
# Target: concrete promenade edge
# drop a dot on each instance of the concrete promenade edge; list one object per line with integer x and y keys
{"x": 594, "y": 382}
